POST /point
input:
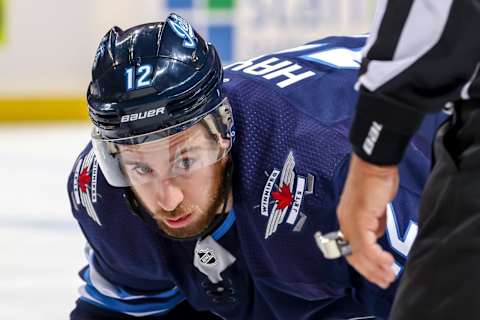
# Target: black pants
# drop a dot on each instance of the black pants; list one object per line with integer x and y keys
{"x": 442, "y": 275}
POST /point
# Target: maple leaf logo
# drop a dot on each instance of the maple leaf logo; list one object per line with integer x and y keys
{"x": 84, "y": 179}
{"x": 283, "y": 197}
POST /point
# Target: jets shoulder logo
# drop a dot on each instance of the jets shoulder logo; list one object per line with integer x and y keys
{"x": 283, "y": 193}
{"x": 183, "y": 29}
{"x": 85, "y": 185}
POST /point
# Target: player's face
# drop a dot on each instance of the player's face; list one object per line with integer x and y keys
{"x": 169, "y": 178}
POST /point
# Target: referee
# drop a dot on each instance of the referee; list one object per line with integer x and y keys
{"x": 422, "y": 56}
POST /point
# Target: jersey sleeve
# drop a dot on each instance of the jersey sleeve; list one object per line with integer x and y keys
{"x": 418, "y": 58}
{"x": 102, "y": 293}
{"x": 108, "y": 288}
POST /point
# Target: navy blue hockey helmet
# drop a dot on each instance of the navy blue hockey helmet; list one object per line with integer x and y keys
{"x": 150, "y": 82}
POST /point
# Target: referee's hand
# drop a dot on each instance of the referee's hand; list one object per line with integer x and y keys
{"x": 362, "y": 216}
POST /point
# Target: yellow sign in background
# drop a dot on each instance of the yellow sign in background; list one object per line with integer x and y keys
{"x": 55, "y": 90}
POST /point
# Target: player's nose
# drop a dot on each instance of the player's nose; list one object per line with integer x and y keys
{"x": 168, "y": 195}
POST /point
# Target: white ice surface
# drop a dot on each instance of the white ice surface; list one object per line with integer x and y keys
{"x": 41, "y": 246}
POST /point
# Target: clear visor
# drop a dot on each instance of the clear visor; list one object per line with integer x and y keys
{"x": 167, "y": 153}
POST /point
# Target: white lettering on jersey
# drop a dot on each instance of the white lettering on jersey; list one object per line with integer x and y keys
{"x": 297, "y": 201}
{"x": 400, "y": 244}
{"x": 291, "y": 77}
{"x": 267, "y": 66}
{"x": 237, "y": 66}
{"x": 273, "y": 68}
{"x": 267, "y": 191}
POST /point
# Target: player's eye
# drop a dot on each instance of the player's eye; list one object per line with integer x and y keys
{"x": 186, "y": 163}
{"x": 142, "y": 169}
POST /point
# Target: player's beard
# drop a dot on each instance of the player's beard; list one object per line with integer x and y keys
{"x": 203, "y": 217}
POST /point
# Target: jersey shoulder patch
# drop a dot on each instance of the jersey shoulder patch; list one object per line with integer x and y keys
{"x": 82, "y": 184}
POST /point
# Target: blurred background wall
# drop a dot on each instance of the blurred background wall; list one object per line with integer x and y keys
{"x": 46, "y": 47}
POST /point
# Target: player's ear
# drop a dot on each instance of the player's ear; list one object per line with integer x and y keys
{"x": 224, "y": 143}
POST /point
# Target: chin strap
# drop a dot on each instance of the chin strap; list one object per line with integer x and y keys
{"x": 137, "y": 209}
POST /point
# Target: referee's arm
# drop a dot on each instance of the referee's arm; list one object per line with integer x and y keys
{"x": 418, "y": 57}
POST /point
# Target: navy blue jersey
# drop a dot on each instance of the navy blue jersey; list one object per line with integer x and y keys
{"x": 292, "y": 111}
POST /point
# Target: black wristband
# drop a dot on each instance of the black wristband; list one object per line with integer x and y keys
{"x": 382, "y": 129}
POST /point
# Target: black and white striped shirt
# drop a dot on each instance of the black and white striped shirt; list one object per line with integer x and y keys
{"x": 421, "y": 56}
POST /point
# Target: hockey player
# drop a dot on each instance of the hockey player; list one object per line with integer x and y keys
{"x": 208, "y": 187}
